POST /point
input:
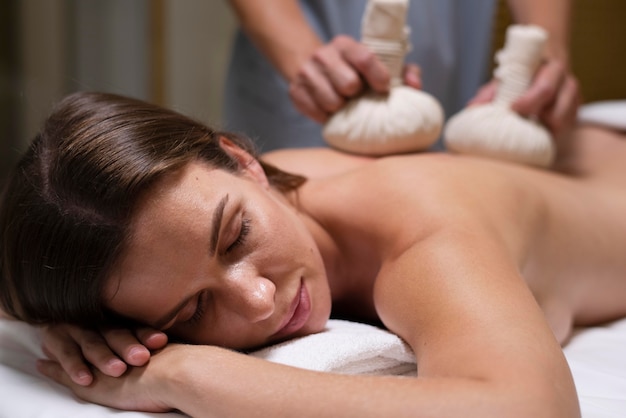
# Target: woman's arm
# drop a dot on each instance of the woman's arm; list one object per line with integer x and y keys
{"x": 460, "y": 302}
{"x": 205, "y": 381}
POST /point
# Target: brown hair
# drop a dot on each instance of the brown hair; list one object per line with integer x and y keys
{"x": 66, "y": 210}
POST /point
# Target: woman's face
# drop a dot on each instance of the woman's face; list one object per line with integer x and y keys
{"x": 220, "y": 258}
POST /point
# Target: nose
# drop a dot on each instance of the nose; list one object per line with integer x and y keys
{"x": 251, "y": 297}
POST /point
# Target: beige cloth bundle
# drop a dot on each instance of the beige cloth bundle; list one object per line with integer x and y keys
{"x": 403, "y": 120}
{"x": 493, "y": 129}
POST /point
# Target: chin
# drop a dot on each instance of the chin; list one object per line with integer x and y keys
{"x": 317, "y": 323}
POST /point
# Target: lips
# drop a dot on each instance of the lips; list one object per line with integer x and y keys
{"x": 297, "y": 316}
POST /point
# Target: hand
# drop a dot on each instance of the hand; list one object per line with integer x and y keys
{"x": 337, "y": 72}
{"x": 139, "y": 389}
{"x": 108, "y": 351}
{"x": 553, "y": 97}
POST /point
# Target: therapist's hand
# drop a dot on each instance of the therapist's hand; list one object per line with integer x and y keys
{"x": 111, "y": 351}
{"x": 337, "y": 72}
{"x": 553, "y": 97}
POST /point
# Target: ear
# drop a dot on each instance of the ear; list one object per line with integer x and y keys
{"x": 249, "y": 165}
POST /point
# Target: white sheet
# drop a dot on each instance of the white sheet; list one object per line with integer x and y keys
{"x": 597, "y": 357}
{"x": 608, "y": 113}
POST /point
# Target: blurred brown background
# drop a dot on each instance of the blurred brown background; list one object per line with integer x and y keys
{"x": 598, "y": 46}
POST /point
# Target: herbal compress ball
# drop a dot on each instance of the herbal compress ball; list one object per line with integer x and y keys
{"x": 403, "y": 120}
{"x": 493, "y": 129}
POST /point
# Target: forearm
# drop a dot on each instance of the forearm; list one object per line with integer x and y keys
{"x": 230, "y": 384}
{"x": 553, "y": 15}
{"x": 280, "y": 30}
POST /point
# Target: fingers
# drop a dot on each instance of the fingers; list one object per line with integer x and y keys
{"x": 553, "y": 96}
{"x": 96, "y": 350}
{"x": 125, "y": 344}
{"x": 70, "y": 359}
{"x": 367, "y": 65}
{"x": 485, "y": 94}
{"x": 335, "y": 73}
{"x": 338, "y": 61}
{"x": 73, "y": 348}
{"x": 561, "y": 116}
{"x": 134, "y": 346}
{"x": 133, "y": 391}
{"x": 151, "y": 338}
{"x": 543, "y": 90}
{"x": 54, "y": 371}
{"x": 109, "y": 351}
{"x": 412, "y": 76}
{"x": 313, "y": 94}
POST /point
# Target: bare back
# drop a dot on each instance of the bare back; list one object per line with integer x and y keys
{"x": 565, "y": 233}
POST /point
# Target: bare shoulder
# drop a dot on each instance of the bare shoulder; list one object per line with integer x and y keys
{"x": 314, "y": 162}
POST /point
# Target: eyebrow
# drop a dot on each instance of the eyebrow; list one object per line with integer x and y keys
{"x": 216, "y": 222}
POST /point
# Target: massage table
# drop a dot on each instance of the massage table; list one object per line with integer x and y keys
{"x": 596, "y": 355}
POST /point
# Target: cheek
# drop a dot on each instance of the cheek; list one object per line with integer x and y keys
{"x": 282, "y": 233}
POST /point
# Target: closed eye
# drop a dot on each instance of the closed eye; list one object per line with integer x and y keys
{"x": 199, "y": 312}
{"x": 244, "y": 230}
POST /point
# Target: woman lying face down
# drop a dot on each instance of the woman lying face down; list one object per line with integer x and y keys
{"x": 125, "y": 213}
{"x": 140, "y": 225}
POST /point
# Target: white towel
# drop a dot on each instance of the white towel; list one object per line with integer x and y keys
{"x": 348, "y": 348}
{"x": 609, "y": 113}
